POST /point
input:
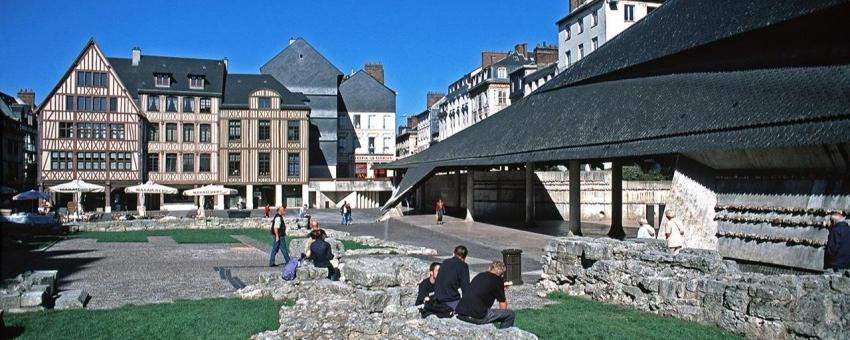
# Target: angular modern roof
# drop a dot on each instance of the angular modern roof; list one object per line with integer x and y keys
{"x": 140, "y": 79}
{"x": 301, "y": 68}
{"x": 701, "y": 83}
{"x": 363, "y": 93}
{"x": 238, "y": 88}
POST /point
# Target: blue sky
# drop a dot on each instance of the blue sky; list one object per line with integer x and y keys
{"x": 424, "y": 45}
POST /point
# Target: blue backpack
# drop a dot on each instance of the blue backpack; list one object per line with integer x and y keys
{"x": 288, "y": 272}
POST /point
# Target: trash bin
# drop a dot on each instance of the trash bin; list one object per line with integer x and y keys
{"x": 513, "y": 264}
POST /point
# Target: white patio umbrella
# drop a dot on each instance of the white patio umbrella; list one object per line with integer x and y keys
{"x": 208, "y": 190}
{"x": 148, "y": 188}
{"x": 77, "y": 187}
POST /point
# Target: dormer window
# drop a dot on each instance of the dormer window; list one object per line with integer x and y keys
{"x": 502, "y": 72}
{"x": 162, "y": 79}
{"x": 196, "y": 82}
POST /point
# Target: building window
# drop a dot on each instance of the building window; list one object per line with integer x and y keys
{"x": 264, "y": 130}
{"x": 264, "y": 102}
{"x": 61, "y": 160}
{"x": 188, "y": 133}
{"x": 99, "y": 104}
{"x": 170, "y": 132}
{"x": 649, "y": 9}
{"x": 116, "y": 131}
{"x": 162, "y": 79}
{"x": 594, "y": 44}
{"x": 171, "y": 162}
{"x": 594, "y": 19}
{"x": 66, "y": 130}
{"x": 503, "y": 98}
{"x": 264, "y": 165}
{"x": 567, "y": 35}
{"x": 568, "y": 59}
{"x": 373, "y": 123}
{"x": 580, "y": 51}
{"x": 388, "y": 122}
{"x": 204, "y": 162}
{"x": 371, "y": 145}
{"x": 196, "y": 82}
{"x": 206, "y": 105}
{"x": 629, "y": 12}
{"x": 205, "y": 133}
{"x": 69, "y": 103}
{"x": 188, "y": 162}
{"x": 153, "y": 132}
{"x": 91, "y": 79}
{"x": 91, "y": 131}
{"x": 502, "y": 72}
{"x": 119, "y": 161}
{"x": 83, "y": 103}
{"x": 153, "y": 103}
{"x": 387, "y": 145}
{"x": 580, "y": 26}
{"x": 113, "y": 104}
{"x": 293, "y": 165}
{"x": 171, "y": 104}
{"x": 153, "y": 162}
{"x": 293, "y": 131}
{"x": 234, "y": 161}
{"x": 356, "y": 121}
{"x": 188, "y": 104}
{"x": 91, "y": 160}
{"x": 234, "y": 130}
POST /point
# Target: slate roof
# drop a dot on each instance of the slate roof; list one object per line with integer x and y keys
{"x": 301, "y": 68}
{"x": 140, "y": 79}
{"x": 761, "y": 82}
{"x": 238, "y": 88}
{"x": 363, "y": 93}
{"x": 541, "y": 73}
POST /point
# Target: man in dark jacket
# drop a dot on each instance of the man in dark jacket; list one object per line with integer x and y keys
{"x": 485, "y": 289}
{"x": 279, "y": 242}
{"x": 453, "y": 275}
{"x": 838, "y": 243}
{"x": 321, "y": 253}
{"x": 426, "y": 287}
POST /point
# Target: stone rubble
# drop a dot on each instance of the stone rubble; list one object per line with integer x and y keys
{"x": 699, "y": 285}
{"x": 71, "y": 299}
{"x": 374, "y": 302}
{"x": 32, "y": 290}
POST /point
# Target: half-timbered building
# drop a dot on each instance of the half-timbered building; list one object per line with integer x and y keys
{"x": 91, "y": 130}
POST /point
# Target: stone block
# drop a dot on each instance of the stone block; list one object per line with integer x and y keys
{"x": 35, "y": 296}
{"x": 574, "y": 248}
{"x": 596, "y": 251}
{"x": 296, "y": 247}
{"x": 735, "y": 298}
{"x": 71, "y": 299}
{"x": 372, "y": 300}
{"x": 840, "y": 284}
{"x": 308, "y": 272}
{"x": 10, "y": 300}
{"x": 385, "y": 272}
{"x": 667, "y": 288}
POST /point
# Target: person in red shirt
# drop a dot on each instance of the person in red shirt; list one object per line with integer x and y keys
{"x": 267, "y": 210}
{"x": 441, "y": 210}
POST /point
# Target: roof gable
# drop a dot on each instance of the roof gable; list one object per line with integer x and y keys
{"x": 239, "y": 87}
{"x": 363, "y": 93}
{"x": 301, "y": 68}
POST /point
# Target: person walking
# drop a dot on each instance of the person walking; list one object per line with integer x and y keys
{"x": 342, "y": 212}
{"x": 452, "y": 276}
{"x": 348, "y": 218}
{"x": 646, "y": 230}
{"x": 838, "y": 243}
{"x": 279, "y": 233}
{"x": 674, "y": 232}
{"x": 267, "y": 210}
{"x": 440, "y": 210}
{"x": 302, "y": 211}
{"x": 485, "y": 289}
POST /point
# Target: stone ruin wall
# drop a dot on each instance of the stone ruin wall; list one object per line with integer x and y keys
{"x": 699, "y": 285}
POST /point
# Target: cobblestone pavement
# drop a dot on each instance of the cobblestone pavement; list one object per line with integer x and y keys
{"x": 115, "y": 274}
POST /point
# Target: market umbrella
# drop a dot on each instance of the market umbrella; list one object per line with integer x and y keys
{"x": 7, "y": 190}
{"x": 31, "y": 195}
{"x": 77, "y": 187}
{"x": 148, "y": 188}
{"x": 208, "y": 190}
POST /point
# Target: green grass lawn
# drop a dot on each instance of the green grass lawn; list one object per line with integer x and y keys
{"x": 224, "y": 318}
{"x": 351, "y": 245}
{"x": 580, "y": 318}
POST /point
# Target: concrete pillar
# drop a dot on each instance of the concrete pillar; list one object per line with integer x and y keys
{"x": 470, "y": 195}
{"x": 161, "y": 201}
{"x": 318, "y": 199}
{"x": 108, "y": 196}
{"x": 249, "y": 196}
{"x": 457, "y": 185}
{"x": 278, "y": 195}
{"x": 420, "y": 200}
{"x": 305, "y": 194}
{"x": 575, "y": 198}
{"x": 529, "y": 194}
{"x": 219, "y": 202}
{"x": 617, "y": 201}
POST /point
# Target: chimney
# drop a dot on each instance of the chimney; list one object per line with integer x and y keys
{"x": 27, "y": 96}
{"x": 545, "y": 54}
{"x": 376, "y": 71}
{"x": 522, "y": 49}
{"x": 490, "y": 58}
{"x": 575, "y": 4}
{"x": 225, "y": 61}
{"x": 137, "y": 56}
{"x": 432, "y": 98}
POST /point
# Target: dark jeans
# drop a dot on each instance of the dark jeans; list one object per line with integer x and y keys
{"x": 283, "y": 247}
{"x": 505, "y": 316}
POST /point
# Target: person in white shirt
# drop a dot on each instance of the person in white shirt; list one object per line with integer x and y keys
{"x": 673, "y": 232}
{"x": 646, "y": 230}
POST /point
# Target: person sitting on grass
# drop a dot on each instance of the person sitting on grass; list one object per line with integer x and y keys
{"x": 321, "y": 253}
{"x": 453, "y": 276}
{"x": 486, "y": 288}
{"x": 426, "y": 287}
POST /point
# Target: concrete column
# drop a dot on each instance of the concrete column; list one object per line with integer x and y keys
{"x": 219, "y": 202}
{"x": 278, "y": 195}
{"x": 457, "y": 185}
{"x": 161, "y": 201}
{"x": 617, "y": 201}
{"x": 420, "y": 200}
{"x": 529, "y": 194}
{"x": 249, "y": 196}
{"x": 470, "y": 195}
{"x": 108, "y": 196}
{"x": 318, "y": 199}
{"x": 575, "y": 198}
{"x": 305, "y": 194}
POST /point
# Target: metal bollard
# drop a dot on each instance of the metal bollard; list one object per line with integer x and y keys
{"x": 513, "y": 264}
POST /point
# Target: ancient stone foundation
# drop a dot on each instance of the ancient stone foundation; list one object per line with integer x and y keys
{"x": 699, "y": 285}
